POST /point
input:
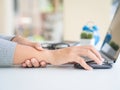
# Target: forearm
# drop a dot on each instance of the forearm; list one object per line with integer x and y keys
{"x": 23, "y": 53}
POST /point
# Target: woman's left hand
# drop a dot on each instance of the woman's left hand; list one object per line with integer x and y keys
{"x": 32, "y": 62}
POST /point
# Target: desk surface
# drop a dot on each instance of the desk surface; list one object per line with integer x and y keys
{"x": 59, "y": 78}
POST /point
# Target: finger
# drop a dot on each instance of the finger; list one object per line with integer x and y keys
{"x": 35, "y": 62}
{"x": 95, "y": 52}
{"x": 43, "y": 64}
{"x": 37, "y": 46}
{"x": 82, "y": 62}
{"x": 87, "y": 52}
{"x": 92, "y": 56}
{"x": 24, "y": 65}
{"x": 28, "y": 63}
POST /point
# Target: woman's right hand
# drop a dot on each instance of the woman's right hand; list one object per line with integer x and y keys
{"x": 74, "y": 54}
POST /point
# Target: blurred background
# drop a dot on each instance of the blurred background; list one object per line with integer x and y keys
{"x": 54, "y": 20}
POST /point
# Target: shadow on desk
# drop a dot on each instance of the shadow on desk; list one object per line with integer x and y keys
{"x": 48, "y": 66}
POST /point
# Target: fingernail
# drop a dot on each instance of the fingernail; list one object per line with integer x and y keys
{"x": 40, "y": 48}
{"x": 28, "y": 61}
{"x": 102, "y": 59}
{"x": 100, "y": 63}
{"x": 43, "y": 63}
{"x": 23, "y": 65}
{"x": 90, "y": 68}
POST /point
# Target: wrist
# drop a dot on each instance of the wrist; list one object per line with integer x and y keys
{"x": 47, "y": 56}
{"x": 16, "y": 38}
{"x": 55, "y": 57}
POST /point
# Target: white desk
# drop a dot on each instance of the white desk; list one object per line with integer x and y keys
{"x": 59, "y": 78}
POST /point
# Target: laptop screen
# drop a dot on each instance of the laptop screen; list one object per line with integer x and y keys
{"x": 111, "y": 44}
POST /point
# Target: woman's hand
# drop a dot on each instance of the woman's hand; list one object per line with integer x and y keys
{"x": 74, "y": 54}
{"x": 23, "y": 41}
{"x": 32, "y": 62}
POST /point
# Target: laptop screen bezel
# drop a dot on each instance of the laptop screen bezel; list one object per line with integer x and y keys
{"x": 117, "y": 9}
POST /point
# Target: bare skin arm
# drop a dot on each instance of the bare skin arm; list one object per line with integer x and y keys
{"x": 24, "y": 52}
{"x": 33, "y": 62}
{"x": 58, "y": 57}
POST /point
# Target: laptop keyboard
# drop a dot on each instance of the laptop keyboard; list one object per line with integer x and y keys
{"x": 107, "y": 59}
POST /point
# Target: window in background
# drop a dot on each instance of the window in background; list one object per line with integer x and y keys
{"x": 39, "y": 20}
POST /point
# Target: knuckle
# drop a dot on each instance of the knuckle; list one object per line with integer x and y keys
{"x": 87, "y": 51}
{"x": 82, "y": 61}
{"x": 27, "y": 62}
{"x": 91, "y": 46}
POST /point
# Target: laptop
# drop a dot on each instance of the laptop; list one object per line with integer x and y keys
{"x": 110, "y": 48}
